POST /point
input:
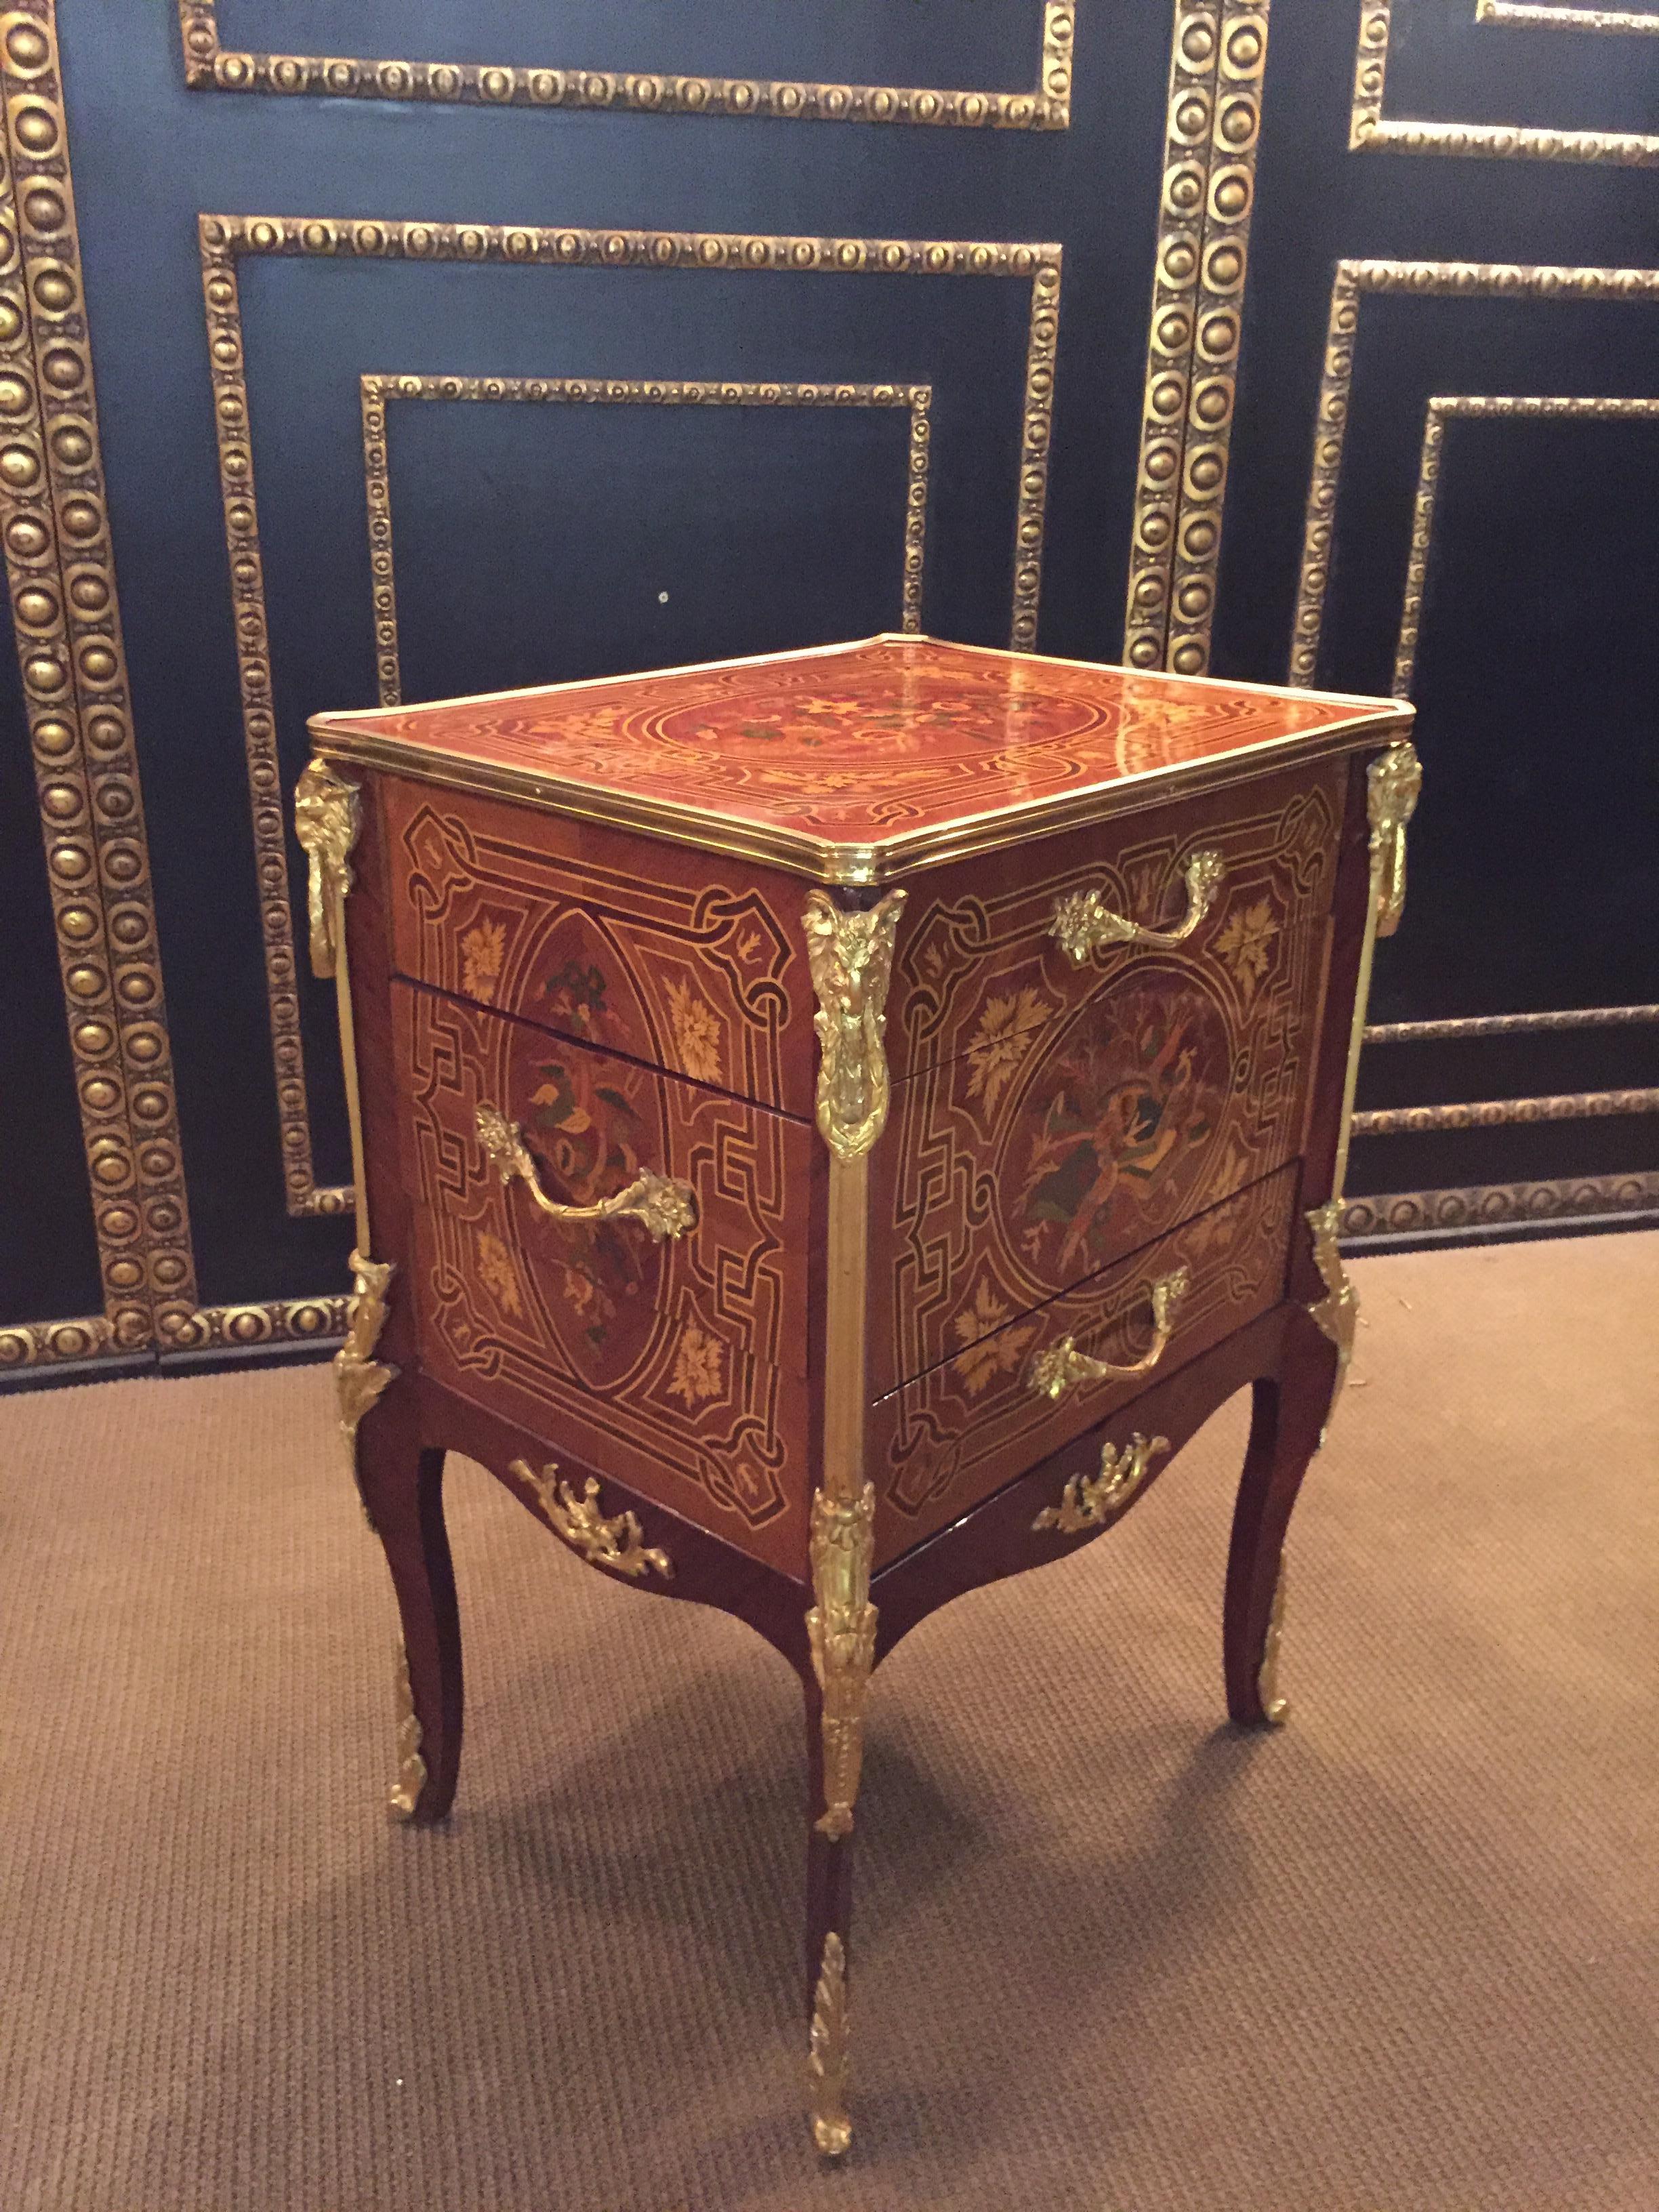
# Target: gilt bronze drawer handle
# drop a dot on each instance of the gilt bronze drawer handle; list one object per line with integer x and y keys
{"x": 1054, "y": 1371}
{"x": 667, "y": 1208}
{"x": 1090, "y": 1499}
{"x": 1083, "y": 922}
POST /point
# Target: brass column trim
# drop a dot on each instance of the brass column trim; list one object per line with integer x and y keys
{"x": 327, "y": 817}
{"x": 1392, "y": 783}
{"x": 846, "y": 1278}
{"x": 850, "y": 953}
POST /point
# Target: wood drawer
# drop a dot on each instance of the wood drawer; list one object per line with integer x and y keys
{"x": 950, "y": 1437}
{"x": 1057, "y": 1117}
{"x": 670, "y": 957}
{"x": 679, "y": 1364}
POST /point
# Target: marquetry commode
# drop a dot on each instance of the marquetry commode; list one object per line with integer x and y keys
{"x": 828, "y": 1128}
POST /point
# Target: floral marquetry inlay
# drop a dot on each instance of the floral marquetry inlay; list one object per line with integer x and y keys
{"x": 675, "y": 1363}
{"x": 1055, "y": 1116}
{"x": 875, "y": 746}
{"x": 482, "y": 947}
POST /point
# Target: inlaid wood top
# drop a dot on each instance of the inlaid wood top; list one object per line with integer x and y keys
{"x": 854, "y": 764}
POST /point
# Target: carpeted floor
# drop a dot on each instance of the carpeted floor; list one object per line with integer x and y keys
{"x": 1399, "y": 1958}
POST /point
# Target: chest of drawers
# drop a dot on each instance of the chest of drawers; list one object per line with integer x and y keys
{"x": 828, "y": 1128}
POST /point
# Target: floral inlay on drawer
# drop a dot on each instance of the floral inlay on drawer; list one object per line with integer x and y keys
{"x": 1067, "y": 1111}
{"x": 950, "y": 1437}
{"x": 671, "y": 1332}
{"x": 695, "y": 970}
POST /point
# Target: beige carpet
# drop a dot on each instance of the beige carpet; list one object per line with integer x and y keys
{"x": 1399, "y": 1958}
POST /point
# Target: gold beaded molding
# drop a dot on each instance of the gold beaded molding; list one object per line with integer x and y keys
{"x": 1488, "y": 1025}
{"x": 1047, "y": 106}
{"x": 55, "y": 1343}
{"x": 1483, "y": 407}
{"x": 1498, "y": 1206}
{"x": 61, "y": 571}
{"x": 226, "y": 239}
{"x": 1370, "y": 131}
{"x": 609, "y": 391}
{"x": 1537, "y": 16}
{"x": 1502, "y": 1113}
{"x": 226, "y": 1329}
{"x": 1428, "y": 279}
{"x": 1216, "y": 62}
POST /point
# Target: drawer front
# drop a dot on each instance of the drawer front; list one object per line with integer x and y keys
{"x": 1069, "y": 1115}
{"x": 679, "y": 1364}
{"x": 671, "y": 956}
{"x": 952, "y": 1435}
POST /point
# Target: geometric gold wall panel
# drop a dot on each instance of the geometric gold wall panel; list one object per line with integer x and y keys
{"x": 1504, "y": 407}
{"x": 616, "y": 392}
{"x": 226, "y": 239}
{"x": 1369, "y": 130}
{"x": 1047, "y": 106}
{"x": 1412, "y": 1212}
{"x": 1422, "y": 279}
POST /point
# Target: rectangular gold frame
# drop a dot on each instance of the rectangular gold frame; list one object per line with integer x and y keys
{"x": 1502, "y": 407}
{"x": 1441, "y": 279}
{"x": 1353, "y": 280}
{"x": 613, "y": 392}
{"x": 209, "y": 67}
{"x": 228, "y": 239}
{"x": 1370, "y": 131}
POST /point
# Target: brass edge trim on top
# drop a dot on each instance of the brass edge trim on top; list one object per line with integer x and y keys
{"x": 1046, "y": 107}
{"x": 1212, "y": 124}
{"x": 225, "y": 239}
{"x": 1485, "y": 1025}
{"x": 1504, "y": 1113}
{"x": 596, "y": 391}
{"x": 821, "y": 860}
{"x": 1424, "y": 279}
{"x": 1406, "y": 1214}
{"x": 1369, "y": 130}
{"x": 60, "y": 567}
{"x": 1479, "y": 407}
{"x": 359, "y": 718}
{"x": 1531, "y": 15}
{"x": 1369, "y": 701}
{"x": 330, "y": 717}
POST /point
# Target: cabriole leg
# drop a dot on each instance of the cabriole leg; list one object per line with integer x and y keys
{"x": 1290, "y": 1409}
{"x": 828, "y": 1920}
{"x": 402, "y": 1486}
